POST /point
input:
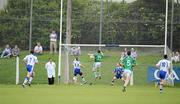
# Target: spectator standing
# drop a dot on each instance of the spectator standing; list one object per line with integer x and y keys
{"x": 53, "y": 42}
{"x": 50, "y": 67}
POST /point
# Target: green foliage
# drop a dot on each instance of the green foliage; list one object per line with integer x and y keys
{"x": 140, "y": 22}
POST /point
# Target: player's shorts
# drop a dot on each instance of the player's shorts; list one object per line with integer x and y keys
{"x": 77, "y": 71}
{"x": 127, "y": 73}
{"x": 119, "y": 76}
{"x": 162, "y": 74}
{"x": 30, "y": 68}
{"x": 96, "y": 65}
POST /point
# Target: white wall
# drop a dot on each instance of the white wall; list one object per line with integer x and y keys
{"x": 2, "y": 3}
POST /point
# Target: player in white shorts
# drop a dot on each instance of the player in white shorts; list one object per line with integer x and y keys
{"x": 77, "y": 70}
{"x": 164, "y": 67}
{"x": 30, "y": 61}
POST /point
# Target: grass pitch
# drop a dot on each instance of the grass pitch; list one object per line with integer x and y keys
{"x": 100, "y": 93}
{"x": 95, "y": 94}
{"x": 108, "y": 64}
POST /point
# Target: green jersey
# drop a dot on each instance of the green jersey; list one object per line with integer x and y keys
{"x": 128, "y": 63}
{"x": 98, "y": 57}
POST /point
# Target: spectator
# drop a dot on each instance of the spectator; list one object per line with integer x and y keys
{"x": 38, "y": 49}
{"x": 7, "y": 52}
{"x": 15, "y": 51}
{"x": 53, "y": 42}
{"x": 122, "y": 56}
{"x": 176, "y": 57}
{"x": 125, "y": 52}
{"x": 76, "y": 51}
{"x": 50, "y": 67}
{"x": 133, "y": 53}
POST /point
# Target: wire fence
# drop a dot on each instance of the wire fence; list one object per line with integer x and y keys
{"x": 138, "y": 22}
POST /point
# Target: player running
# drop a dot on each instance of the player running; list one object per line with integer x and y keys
{"x": 164, "y": 67}
{"x": 77, "y": 70}
{"x": 30, "y": 61}
{"x": 128, "y": 64}
{"x": 97, "y": 64}
{"x": 118, "y": 71}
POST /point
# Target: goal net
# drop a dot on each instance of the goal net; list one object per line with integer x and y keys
{"x": 146, "y": 55}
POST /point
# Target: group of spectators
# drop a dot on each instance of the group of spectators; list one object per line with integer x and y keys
{"x": 38, "y": 49}
{"x": 10, "y": 52}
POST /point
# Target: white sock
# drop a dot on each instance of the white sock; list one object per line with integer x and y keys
{"x": 75, "y": 79}
{"x": 99, "y": 74}
{"x": 160, "y": 86}
{"x": 25, "y": 80}
{"x": 30, "y": 79}
{"x": 95, "y": 74}
{"x": 83, "y": 79}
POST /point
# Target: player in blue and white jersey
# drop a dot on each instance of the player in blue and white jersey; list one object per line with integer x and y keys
{"x": 30, "y": 61}
{"x": 77, "y": 70}
{"x": 164, "y": 67}
{"x": 118, "y": 71}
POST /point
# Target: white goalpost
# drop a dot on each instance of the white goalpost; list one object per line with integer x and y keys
{"x": 167, "y": 51}
{"x": 60, "y": 42}
{"x": 17, "y": 70}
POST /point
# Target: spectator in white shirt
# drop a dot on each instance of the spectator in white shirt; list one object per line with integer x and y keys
{"x": 50, "y": 67}
{"x": 53, "y": 42}
{"x": 176, "y": 57}
{"x": 123, "y": 55}
{"x": 133, "y": 53}
{"x": 38, "y": 50}
{"x": 125, "y": 52}
{"x": 76, "y": 51}
{"x": 7, "y": 52}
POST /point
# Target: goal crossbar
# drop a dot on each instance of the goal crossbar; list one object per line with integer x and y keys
{"x": 114, "y": 45}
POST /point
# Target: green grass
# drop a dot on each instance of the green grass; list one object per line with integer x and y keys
{"x": 7, "y": 69}
{"x": 95, "y": 94}
{"x": 100, "y": 93}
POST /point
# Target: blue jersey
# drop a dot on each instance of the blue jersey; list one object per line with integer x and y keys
{"x": 118, "y": 70}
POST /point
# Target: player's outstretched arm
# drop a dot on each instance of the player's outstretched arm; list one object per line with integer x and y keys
{"x": 24, "y": 60}
{"x": 82, "y": 66}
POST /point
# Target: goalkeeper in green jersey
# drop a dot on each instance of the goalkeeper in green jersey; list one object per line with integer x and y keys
{"x": 128, "y": 64}
{"x": 97, "y": 64}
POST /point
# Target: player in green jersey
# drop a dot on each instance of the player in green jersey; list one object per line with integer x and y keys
{"x": 97, "y": 64}
{"x": 128, "y": 64}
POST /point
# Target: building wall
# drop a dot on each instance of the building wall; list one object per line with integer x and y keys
{"x": 2, "y": 3}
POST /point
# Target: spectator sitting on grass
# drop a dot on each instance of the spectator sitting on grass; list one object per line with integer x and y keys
{"x": 7, "y": 52}
{"x": 176, "y": 57}
{"x": 15, "y": 51}
{"x": 76, "y": 51}
{"x": 133, "y": 53}
{"x": 38, "y": 49}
